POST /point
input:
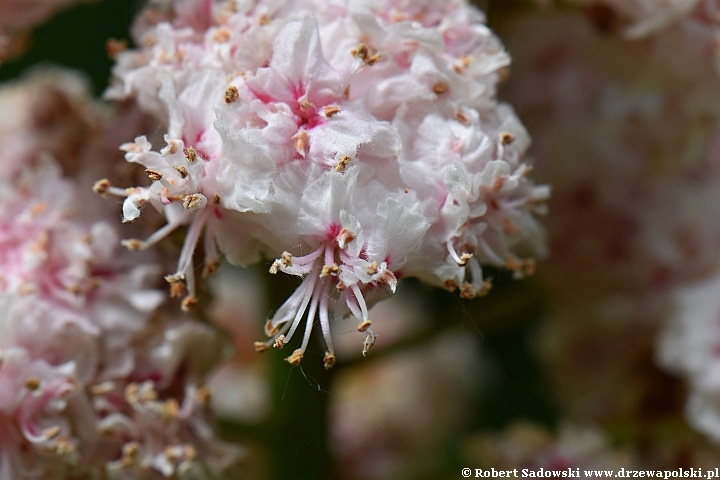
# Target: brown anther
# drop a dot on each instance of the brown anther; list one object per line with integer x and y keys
{"x": 300, "y": 140}
{"x": 221, "y": 35}
{"x": 346, "y": 92}
{"x": 328, "y": 270}
{"x": 468, "y": 291}
{"x": 344, "y": 237}
{"x": 115, "y": 47}
{"x": 182, "y": 171}
{"x": 171, "y": 453}
{"x": 102, "y": 187}
{"x": 177, "y": 285}
{"x": 462, "y": 118}
{"x": 261, "y": 347}
{"x": 295, "y": 358}
{"x": 147, "y": 392}
{"x": 328, "y": 360}
{"x": 342, "y": 163}
{"x": 451, "y": 285}
{"x": 231, "y": 94}
{"x": 364, "y": 325}
{"x": 133, "y": 244}
{"x": 189, "y": 452}
{"x": 202, "y": 395}
{"x": 192, "y": 201}
{"x": 171, "y": 148}
{"x": 209, "y": 267}
{"x": 361, "y": 51}
{"x": 305, "y": 104}
{"x": 52, "y": 432}
{"x": 279, "y": 342}
{"x": 340, "y": 286}
{"x": 64, "y": 446}
{"x": 331, "y": 110}
{"x": 441, "y": 87}
{"x": 508, "y": 227}
{"x": 129, "y": 453}
{"x": 101, "y": 388}
{"x": 464, "y": 258}
{"x": 153, "y": 175}
{"x": 372, "y": 269}
{"x": 188, "y": 303}
{"x": 270, "y": 329}
{"x": 215, "y": 199}
{"x": 190, "y": 154}
{"x": 131, "y": 393}
{"x": 170, "y": 409}
{"x": 513, "y": 264}
{"x": 263, "y": 20}
{"x": 32, "y": 383}
{"x": 506, "y": 138}
{"x": 485, "y": 288}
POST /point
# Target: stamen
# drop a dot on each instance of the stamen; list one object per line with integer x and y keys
{"x": 312, "y": 280}
{"x": 361, "y": 301}
{"x": 369, "y": 341}
{"x": 460, "y": 260}
{"x": 325, "y": 322}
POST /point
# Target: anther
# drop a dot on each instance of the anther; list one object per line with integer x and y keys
{"x": 188, "y": 303}
{"x": 464, "y": 259}
{"x": 115, "y": 47}
{"x": 190, "y": 154}
{"x": 328, "y": 270}
{"x": 133, "y": 244}
{"x": 192, "y": 201}
{"x": 153, "y": 175}
{"x": 182, "y": 171}
{"x": 209, "y": 267}
{"x": 279, "y": 342}
{"x": 231, "y": 94}
{"x": 177, "y": 285}
{"x": 372, "y": 269}
{"x": 295, "y": 358}
{"x": 32, "y": 383}
{"x": 102, "y": 187}
{"x": 506, "y": 138}
{"x": 202, "y": 396}
{"x": 364, "y": 325}
{"x": 261, "y": 347}
{"x": 441, "y": 87}
{"x": 331, "y": 110}
{"x": 270, "y": 329}
{"x": 328, "y": 360}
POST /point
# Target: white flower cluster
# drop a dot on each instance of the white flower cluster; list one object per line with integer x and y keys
{"x": 357, "y": 142}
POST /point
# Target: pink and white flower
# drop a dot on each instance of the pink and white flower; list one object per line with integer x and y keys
{"x": 356, "y": 142}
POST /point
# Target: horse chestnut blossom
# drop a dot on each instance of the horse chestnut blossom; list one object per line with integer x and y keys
{"x": 356, "y": 142}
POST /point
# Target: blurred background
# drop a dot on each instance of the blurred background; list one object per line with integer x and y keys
{"x": 597, "y": 361}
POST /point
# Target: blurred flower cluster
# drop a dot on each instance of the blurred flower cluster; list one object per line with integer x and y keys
{"x": 379, "y": 153}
